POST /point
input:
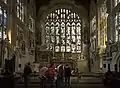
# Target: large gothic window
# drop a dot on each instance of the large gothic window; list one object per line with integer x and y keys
{"x": 3, "y": 23}
{"x": 63, "y": 31}
{"x": 20, "y": 10}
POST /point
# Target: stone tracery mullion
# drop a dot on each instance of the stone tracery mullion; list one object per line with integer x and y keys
{"x": 65, "y": 32}
{"x": 75, "y": 32}
{"x": 63, "y": 17}
{"x": 70, "y": 36}
{"x": 60, "y": 31}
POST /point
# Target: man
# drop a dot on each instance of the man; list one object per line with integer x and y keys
{"x": 67, "y": 75}
{"x": 26, "y": 74}
{"x": 107, "y": 75}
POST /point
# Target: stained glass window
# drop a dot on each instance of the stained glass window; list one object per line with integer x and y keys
{"x": 63, "y": 31}
{"x": 20, "y": 10}
{"x": 3, "y": 23}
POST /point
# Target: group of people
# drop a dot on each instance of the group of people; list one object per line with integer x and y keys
{"x": 51, "y": 76}
{"x": 59, "y": 75}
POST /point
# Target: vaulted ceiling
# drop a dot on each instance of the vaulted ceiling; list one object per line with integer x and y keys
{"x": 84, "y": 3}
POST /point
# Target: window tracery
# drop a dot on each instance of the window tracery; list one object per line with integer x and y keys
{"x": 20, "y": 10}
{"x": 3, "y": 23}
{"x": 63, "y": 31}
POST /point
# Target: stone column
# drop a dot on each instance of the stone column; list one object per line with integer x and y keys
{"x": 87, "y": 48}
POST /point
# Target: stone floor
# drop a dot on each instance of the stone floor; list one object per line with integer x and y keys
{"x": 87, "y": 82}
{"x": 84, "y": 82}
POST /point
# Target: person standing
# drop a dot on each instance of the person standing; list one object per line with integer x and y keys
{"x": 50, "y": 74}
{"x": 60, "y": 76}
{"x": 107, "y": 75}
{"x": 67, "y": 75}
{"x": 26, "y": 74}
{"x": 43, "y": 71}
